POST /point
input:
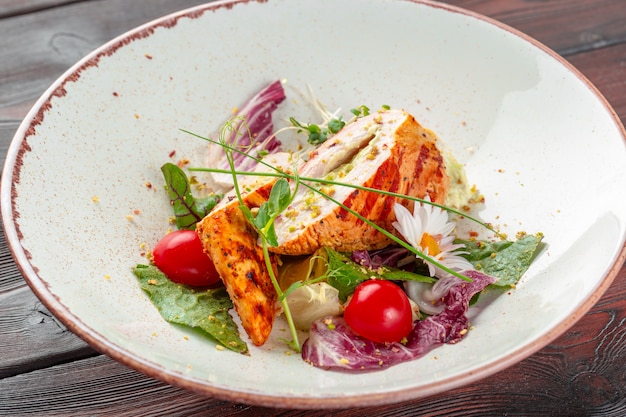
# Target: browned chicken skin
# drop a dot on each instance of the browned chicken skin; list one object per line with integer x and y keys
{"x": 387, "y": 151}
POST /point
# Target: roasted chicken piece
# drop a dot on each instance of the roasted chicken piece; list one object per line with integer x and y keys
{"x": 388, "y": 150}
{"x": 232, "y": 244}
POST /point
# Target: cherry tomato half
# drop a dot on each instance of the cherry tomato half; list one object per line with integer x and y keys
{"x": 180, "y": 256}
{"x": 380, "y": 311}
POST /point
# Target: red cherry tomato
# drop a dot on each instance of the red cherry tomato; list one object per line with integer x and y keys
{"x": 180, "y": 256}
{"x": 380, "y": 311}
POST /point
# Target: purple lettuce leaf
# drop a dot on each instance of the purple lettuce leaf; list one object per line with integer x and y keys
{"x": 333, "y": 345}
{"x": 254, "y": 134}
{"x": 388, "y": 256}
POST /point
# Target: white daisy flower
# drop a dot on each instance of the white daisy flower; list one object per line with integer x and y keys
{"x": 429, "y": 231}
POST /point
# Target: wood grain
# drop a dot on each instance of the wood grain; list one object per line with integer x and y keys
{"x": 32, "y": 338}
{"x": 10, "y": 8}
{"x": 31, "y": 60}
{"x": 606, "y": 69}
{"x": 582, "y": 25}
{"x": 45, "y": 370}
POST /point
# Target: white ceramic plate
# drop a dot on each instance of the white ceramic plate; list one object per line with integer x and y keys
{"x": 543, "y": 146}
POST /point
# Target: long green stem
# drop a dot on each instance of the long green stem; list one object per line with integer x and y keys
{"x": 369, "y": 222}
{"x": 391, "y": 236}
{"x": 282, "y": 174}
{"x": 294, "y": 343}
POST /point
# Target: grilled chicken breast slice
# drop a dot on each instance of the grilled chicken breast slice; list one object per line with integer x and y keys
{"x": 388, "y": 151}
{"x": 232, "y": 244}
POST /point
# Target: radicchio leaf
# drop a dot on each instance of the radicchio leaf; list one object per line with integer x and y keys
{"x": 254, "y": 134}
{"x": 333, "y": 345}
{"x": 388, "y": 256}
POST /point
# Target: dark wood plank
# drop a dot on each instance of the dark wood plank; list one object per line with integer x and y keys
{"x": 582, "y": 24}
{"x": 9, "y": 8}
{"x": 36, "y": 48}
{"x": 32, "y": 338}
{"x": 10, "y": 275}
{"x": 606, "y": 69}
{"x": 104, "y": 388}
{"x": 572, "y": 376}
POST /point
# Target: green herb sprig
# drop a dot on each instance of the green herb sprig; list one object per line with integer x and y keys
{"x": 188, "y": 210}
{"x": 319, "y": 134}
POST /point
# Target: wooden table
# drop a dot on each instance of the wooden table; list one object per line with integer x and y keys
{"x": 46, "y": 370}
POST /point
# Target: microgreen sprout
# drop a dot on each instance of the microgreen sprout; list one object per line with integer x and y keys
{"x": 278, "y": 201}
{"x": 360, "y": 111}
{"x": 318, "y": 134}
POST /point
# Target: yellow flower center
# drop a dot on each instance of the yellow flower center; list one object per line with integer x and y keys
{"x": 429, "y": 242}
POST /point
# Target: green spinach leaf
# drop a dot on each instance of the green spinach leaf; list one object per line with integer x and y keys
{"x": 505, "y": 260}
{"x": 206, "y": 310}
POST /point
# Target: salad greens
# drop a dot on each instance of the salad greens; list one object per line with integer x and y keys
{"x": 188, "y": 210}
{"x": 333, "y": 345}
{"x": 319, "y": 134}
{"x": 345, "y": 275}
{"x": 505, "y": 260}
{"x": 205, "y": 310}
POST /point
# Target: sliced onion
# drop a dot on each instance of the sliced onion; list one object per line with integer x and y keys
{"x": 313, "y": 302}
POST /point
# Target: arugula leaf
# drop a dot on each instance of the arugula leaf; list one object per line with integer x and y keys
{"x": 345, "y": 275}
{"x": 505, "y": 260}
{"x": 481, "y": 249}
{"x": 188, "y": 210}
{"x": 401, "y": 275}
{"x": 205, "y": 310}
